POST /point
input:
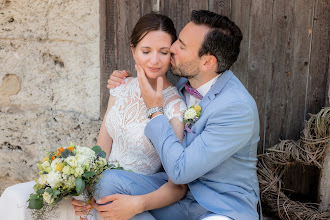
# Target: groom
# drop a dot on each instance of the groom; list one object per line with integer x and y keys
{"x": 217, "y": 158}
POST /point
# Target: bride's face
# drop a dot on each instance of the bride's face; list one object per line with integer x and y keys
{"x": 153, "y": 53}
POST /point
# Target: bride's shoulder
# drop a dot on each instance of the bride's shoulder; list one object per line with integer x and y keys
{"x": 129, "y": 81}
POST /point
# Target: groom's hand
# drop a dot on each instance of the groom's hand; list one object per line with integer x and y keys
{"x": 152, "y": 98}
{"x": 116, "y": 78}
{"x": 120, "y": 207}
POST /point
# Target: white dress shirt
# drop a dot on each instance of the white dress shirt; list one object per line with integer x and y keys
{"x": 192, "y": 100}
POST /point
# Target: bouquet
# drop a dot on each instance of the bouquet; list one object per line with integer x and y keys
{"x": 190, "y": 116}
{"x": 68, "y": 171}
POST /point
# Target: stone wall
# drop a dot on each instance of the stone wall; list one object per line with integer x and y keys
{"x": 49, "y": 81}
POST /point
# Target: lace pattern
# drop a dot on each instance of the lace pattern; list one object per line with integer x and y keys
{"x": 126, "y": 121}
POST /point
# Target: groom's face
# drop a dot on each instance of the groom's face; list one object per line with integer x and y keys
{"x": 185, "y": 60}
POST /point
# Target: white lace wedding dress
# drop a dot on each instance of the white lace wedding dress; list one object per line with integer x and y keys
{"x": 125, "y": 123}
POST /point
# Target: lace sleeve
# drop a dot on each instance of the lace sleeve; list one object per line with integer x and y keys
{"x": 118, "y": 90}
{"x": 174, "y": 108}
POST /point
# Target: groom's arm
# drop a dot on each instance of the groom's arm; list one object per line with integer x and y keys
{"x": 227, "y": 130}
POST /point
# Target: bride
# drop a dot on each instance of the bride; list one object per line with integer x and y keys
{"x": 122, "y": 131}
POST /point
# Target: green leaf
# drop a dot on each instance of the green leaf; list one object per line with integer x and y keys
{"x": 89, "y": 174}
{"x": 97, "y": 149}
{"x": 49, "y": 190}
{"x": 40, "y": 191}
{"x": 80, "y": 185}
{"x": 36, "y": 203}
{"x": 56, "y": 193}
{"x": 33, "y": 196}
{"x": 66, "y": 153}
{"x": 58, "y": 199}
{"x": 102, "y": 154}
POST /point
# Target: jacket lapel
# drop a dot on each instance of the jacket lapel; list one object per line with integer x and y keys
{"x": 180, "y": 87}
{"x": 216, "y": 88}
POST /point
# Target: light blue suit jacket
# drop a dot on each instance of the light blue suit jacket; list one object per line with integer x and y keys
{"x": 218, "y": 158}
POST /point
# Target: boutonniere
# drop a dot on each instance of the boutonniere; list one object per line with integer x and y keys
{"x": 190, "y": 116}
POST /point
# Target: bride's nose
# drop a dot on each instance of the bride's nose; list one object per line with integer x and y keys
{"x": 154, "y": 58}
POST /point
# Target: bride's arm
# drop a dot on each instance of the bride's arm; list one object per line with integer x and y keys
{"x": 127, "y": 206}
{"x": 104, "y": 140}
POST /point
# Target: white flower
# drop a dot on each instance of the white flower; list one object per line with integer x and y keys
{"x": 102, "y": 162}
{"x": 71, "y": 161}
{"x": 70, "y": 182}
{"x": 190, "y": 114}
{"x": 85, "y": 151}
{"x": 78, "y": 171}
{"x": 67, "y": 170}
{"x": 45, "y": 164}
{"x": 55, "y": 162}
{"x": 48, "y": 198}
{"x": 42, "y": 179}
{"x": 82, "y": 159}
{"x": 54, "y": 178}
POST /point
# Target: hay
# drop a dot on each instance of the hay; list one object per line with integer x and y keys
{"x": 309, "y": 150}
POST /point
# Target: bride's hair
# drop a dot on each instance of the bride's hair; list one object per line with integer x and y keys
{"x": 152, "y": 22}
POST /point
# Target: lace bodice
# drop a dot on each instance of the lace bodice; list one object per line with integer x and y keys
{"x": 126, "y": 121}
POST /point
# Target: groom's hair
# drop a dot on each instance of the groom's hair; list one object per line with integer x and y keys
{"x": 222, "y": 41}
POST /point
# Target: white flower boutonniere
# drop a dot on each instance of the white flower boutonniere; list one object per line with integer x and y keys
{"x": 191, "y": 115}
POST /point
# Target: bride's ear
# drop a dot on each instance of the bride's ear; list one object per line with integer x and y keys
{"x": 133, "y": 50}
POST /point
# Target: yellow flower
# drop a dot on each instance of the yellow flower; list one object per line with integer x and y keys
{"x": 59, "y": 166}
{"x": 45, "y": 159}
{"x": 197, "y": 108}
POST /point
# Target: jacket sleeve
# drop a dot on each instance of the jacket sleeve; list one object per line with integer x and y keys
{"x": 227, "y": 130}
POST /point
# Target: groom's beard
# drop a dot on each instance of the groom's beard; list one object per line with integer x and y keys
{"x": 189, "y": 70}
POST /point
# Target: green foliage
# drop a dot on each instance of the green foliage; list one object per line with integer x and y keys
{"x": 80, "y": 185}
{"x": 97, "y": 149}
{"x": 35, "y": 202}
{"x": 49, "y": 190}
{"x": 89, "y": 174}
{"x": 102, "y": 154}
{"x": 66, "y": 153}
{"x": 40, "y": 191}
{"x": 56, "y": 193}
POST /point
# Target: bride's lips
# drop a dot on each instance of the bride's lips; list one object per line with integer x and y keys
{"x": 154, "y": 69}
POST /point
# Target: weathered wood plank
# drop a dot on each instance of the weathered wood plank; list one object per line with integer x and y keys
{"x": 145, "y": 7}
{"x": 327, "y": 94}
{"x": 164, "y": 7}
{"x": 224, "y": 7}
{"x": 198, "y": 5}
{"x": 319, "y": 59}
{"x": 128, "y": 15}
{"x": 179, "y": 13}
{"x": 282, "y": 54}
{"x": 241, "y": 11}
{"x": 108, "y": 50}
{"x": 294, "y": 121}
{"x": 259, "y": 64}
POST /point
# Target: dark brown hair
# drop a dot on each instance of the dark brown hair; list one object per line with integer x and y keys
{"x": 222, "y": 41}
{"x": 152, "y": 22}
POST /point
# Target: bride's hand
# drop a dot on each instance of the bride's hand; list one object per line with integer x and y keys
{"x": 152, "y": 98}
{"x": 120, "y": 207}
{"x": 116, "y": 78}
{"x": 81, "y": 208}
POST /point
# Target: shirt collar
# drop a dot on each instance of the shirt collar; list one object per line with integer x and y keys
{"x": 206, "y": 87}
